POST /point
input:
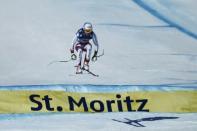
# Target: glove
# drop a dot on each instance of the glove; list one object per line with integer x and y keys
{"x": 71, "y": 51}
{"x": 73, "y": 56}
{"x": 94, "y": 57}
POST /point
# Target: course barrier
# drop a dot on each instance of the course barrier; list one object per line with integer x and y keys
{"x": 30, "y": 99}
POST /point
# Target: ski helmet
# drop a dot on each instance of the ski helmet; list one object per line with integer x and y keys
{"x": 87, "y": 27}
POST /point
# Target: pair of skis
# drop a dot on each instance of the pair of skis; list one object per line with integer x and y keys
{"x": 88, "y": 71}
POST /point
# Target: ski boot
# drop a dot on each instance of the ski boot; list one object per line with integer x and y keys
{"x": 86, "y": 65}
{"x": 79, "y": 70}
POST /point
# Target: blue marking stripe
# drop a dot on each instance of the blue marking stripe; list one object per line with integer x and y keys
{"x": 101, "y": 88}
{"x": 165, "y": 19}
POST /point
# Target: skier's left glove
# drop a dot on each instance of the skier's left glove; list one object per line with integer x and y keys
{"x": 94, "y": 57}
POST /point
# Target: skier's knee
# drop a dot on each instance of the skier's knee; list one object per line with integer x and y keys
{"x": 88, "y": 47}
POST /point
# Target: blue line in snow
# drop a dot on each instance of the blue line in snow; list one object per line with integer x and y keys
{"x": 163, "y": 18}
{"x": 15, "y": 116}
{"x": 102, "y": 88}
{"x": 135, "y": 26}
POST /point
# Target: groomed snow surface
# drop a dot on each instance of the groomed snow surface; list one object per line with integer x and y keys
{"x": 141, "y": 47}
{"x": 100, "y": 122}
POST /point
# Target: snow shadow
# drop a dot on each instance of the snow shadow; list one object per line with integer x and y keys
{"x": 137, "y": 122}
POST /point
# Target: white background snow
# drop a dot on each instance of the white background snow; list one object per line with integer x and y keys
{"x": 139, "y": 49}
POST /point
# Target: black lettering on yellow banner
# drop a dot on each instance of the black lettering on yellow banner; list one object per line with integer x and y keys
{"x": 100, "y": 106}
{"x": 60, "y": 101}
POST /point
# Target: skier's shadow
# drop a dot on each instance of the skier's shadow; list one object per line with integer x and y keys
{"x": 137, "y": 123}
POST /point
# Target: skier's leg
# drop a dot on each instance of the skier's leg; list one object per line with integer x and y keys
{"x": 88, "y": 49}
{"x": 79, "y": 52}
{"x": 83, "y": 55}
{"x": 79, "y": 60}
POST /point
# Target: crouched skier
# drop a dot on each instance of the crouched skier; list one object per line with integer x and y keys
{"x": 82, "y": 46}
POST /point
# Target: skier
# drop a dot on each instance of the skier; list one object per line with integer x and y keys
{"x": 82, "y": 46}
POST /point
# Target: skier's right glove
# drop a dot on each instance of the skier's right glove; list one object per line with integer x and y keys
{"x": 73, "y": 56}
{"x": 72, "y": 51}
{"x": 94, "y": 57}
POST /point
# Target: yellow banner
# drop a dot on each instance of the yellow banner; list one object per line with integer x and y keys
{"x": 60, "y": 101}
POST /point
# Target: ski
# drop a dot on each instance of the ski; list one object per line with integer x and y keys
{"x": 90, "y": 72}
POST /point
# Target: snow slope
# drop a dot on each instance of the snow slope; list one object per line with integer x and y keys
{"x": 177, "y": 13}
{"x": 139, "y": 47}
{"x": 99, "y": 122}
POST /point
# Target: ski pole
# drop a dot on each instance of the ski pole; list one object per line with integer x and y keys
{"x": 65, "y": 61}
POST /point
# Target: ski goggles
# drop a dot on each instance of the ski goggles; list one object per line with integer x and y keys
{"x": 88, "y": 30}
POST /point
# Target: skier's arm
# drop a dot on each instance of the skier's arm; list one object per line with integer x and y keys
{"x": 73, "y": 44}
{"x": 95, "y": 41}
{"x": 73, "y": 56}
